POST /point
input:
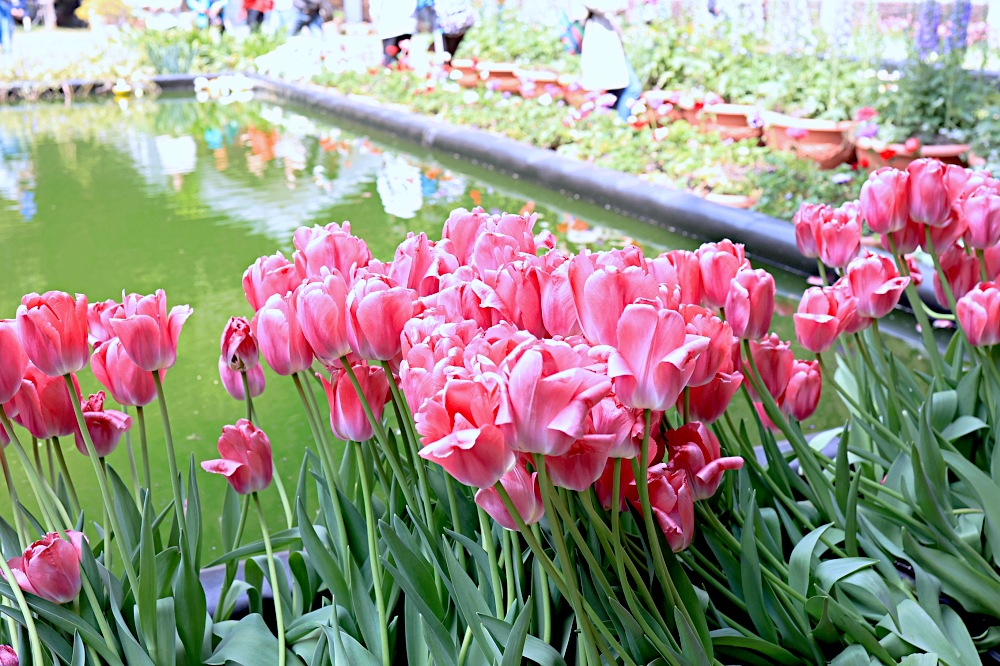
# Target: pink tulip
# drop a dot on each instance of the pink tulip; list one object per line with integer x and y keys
{"x": 269, "y": 276}
{"x": 331, "y": 247}
{"x": 885, "y": 200}
{"x": 978, "y": 312}
{"x": 720, "y": 262}
{"x": 624, "y": 425}
{"x": 347, "y": 415}
{"x": 53, "y": 331}
{"x": 556, "y": 291}
{"x": 822, "y": 316}
{"x": 50, "y": 567}
{"x": 105, "y": 427}
{"x": 991, "y": 258}
{"x": 750, "y": 303}
{"x": 149, "y": 335}
{"x": 933, "y": 186}
{"x": 702, "y": 321}
{"x": 515, "y": 297}
{"x": 321, "y": 308}
{"x": 801, "y": 397}
{"x": 377, "y": 311}
{"x": 695, "y": 450}
{"x": 127, "y": 383}
{"x": 688, "y": 271}
{"x": 602, "y": 294}
{"x": 708, "y": 402}
{"x": 876, "y": 284}
{"x": 582, "y": 464}
{"x": 524, "y": 493}
{"x": 42, "y": 405}
{"x": 239, "y": 348}
{"x": 419, "y": 264}
{"x": 839, "y": 238}
{"x": 546, "y": 396}
{"x": 8, "y": 656}
{"x": 905, "y": 241}
{"x": 246, "y": 458}
{"x": 947, "y": 235}
{"x": 461, "y": 230}
{"x": 672, "y": 503}
{"x": 981, "y": 213}
{"x": 654, "y": 359}
{"x": 15, "y": 361}
{"x": 962, "y": 271}
{"x": 99, "y": 321}
{"x": 774, "y": 359}
{"x": 232, "y": 380}
{"x": 807, "y": 220}
{"x": 280, "y": 337}
{"x": 458, "y": 431}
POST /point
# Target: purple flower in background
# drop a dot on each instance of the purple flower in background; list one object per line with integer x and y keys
{"x": 928, "y": 21}
{"x": 755, "y": 120}
{"x": 959, "y": 34}
{"x": 866, "y": 131}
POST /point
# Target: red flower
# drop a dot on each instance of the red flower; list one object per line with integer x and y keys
{"x": 246, "y": 458}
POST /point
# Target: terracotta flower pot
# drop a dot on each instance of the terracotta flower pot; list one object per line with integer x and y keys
{"x": 501, "y": 77}
{"x": 826, "y": 142}
{"x": 733, "y": 121}
{"x": 572, "y": 92}
{"x": 536, "y": 82}
{"x": 464, "y": 72}
{"x": 875, "y": 155}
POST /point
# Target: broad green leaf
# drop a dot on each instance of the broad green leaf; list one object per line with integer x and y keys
{"x": 249, "y": 643}
{"x": 365, "y": 611}
{"x": 534, "y": 649}
{"x": 854, "y": 655}
{"x": 943, "y": 405}
{"x": 513, "y": 649}
{"x": 51, "y": 638}
{"x": 961, "y": 427}
{"x": 148, "y": 583}
{"x": 348, "y": 650}
{"x": 229, "y": 520}
{"x": 690, "y": 642}
{"x": 470, "y": 600}
{"x": 79, "y": 653}
{"x": 753, "y": 592}
{"x": 191, "y": 607}
{"x": 851, "y": 517}
{"x": 987, "y": 490}
{"x": 977, "y": 591}
{"x": 929, "y": 659}
{"x": 800, "y": 561}
{"x": 319, "y": 554}
{"x": 829, "y": 572}
{"x": 166, "y": 629}
{"x": 133, "y": 652}
{"x": 919, "y": 630}
{"x": 416, "y": 643}
{"x": 734, "y": 644}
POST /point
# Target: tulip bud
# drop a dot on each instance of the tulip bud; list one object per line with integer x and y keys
{"x": 885, "y": 200}
{"x": 720, "y": 262}
{"x": 750, "y": 303}
{"x": 978, "y": 313}
{"x": 876, "y": 284}
{"x": 347, "y": 415}
{"x": 801, "y": 397}
{"x": 105, "y": 427}
{"x": 149, "y": 335}
{"x": 15, "y": 361}
{"x": 239, "y": 348}
{"x": 50, "y": 567}
{"x": 525, "y": 494}
{"x": 232, "y": 380}
{"x": 53, "y": 331}
{"x": 246, "y": 458}
{"x": 822, "y": 316}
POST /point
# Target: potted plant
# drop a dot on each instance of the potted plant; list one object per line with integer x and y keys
{"x": 733, "y": 121}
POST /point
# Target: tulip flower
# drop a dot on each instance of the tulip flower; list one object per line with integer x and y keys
{"x": 654, "y": 359}
{"x": 99, "y": 317}
{"x": 750, "y": 303}
{"x": 246, "y": 458}
{"x": 321, "y": 308}
{"x": 908, "y": 239}
{"x": 525, "y": 494}
{"x": 961, "y": 270}
{"x": 419, "y": 263}
{"x": 269, "y": 276}
{"x": 930, "y": 200}
{"x": 239, "y": 348}
{"x": 148, "y": 333}
{"x": 232, "y": 380}
{"x": 708, "y": 402}
{"x": 601, "y": 294}
{"x": 774, "y": 359}
{"x": 807, "y": 220}
{"x": 127, "y": 383}
{"x": 624, "y": 425}
{"x": 279, "y": 336}
{"x": 105, "y": 427}
{"x": 876, "y": 284}
{"x": 50, "y": 567}
{"x": 695, "y": 450}
{"x": 822, "y": 316}
{"x": 15, "y": 361}
{"x": 702, "y": 321}
{"x": 377, "y": 310}
{"x": 331, "y": 247}
{"x": 978, "y": 313}
{"x": 885, "y": 200}
{"x": 42, "y": 405}
{"x": 8, "y": 656}
{"x": 582, "y": 464}
{"x": 53, "y": 331}
{"x": 981, "y": 213}
{"x": 672, "y": 503}
{"x": 801, "y": 397}
{"x": 720, "y": 262}
{"x": 347, "y": 415}
{"x": 461, "y": 230}
{"x": 839, "y": 237}
{"x": 546, "y": 396}
{"x": 688, "y": 270}
{"x": 556, "y": 291}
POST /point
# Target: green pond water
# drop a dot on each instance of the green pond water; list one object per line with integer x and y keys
{"x": 101, "y": 197}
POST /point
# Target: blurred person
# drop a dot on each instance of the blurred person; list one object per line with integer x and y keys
{"x": 453, "y": 18}
{"x": 282, "y": 16}
{"x": 10, "y": 11}
{"x": 307, "y": 15}
{"x": 395, "y": 21}
{"x": 603, "y": 63}
{"x": 257, "y": 10}
{"x": 209, "y": 13}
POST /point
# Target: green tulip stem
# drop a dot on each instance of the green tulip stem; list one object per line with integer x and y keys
{"x": 937, "y": 362}
{"x": 147, "y": 475}
{"x": 275, "y": 586}
{"x": 133, "y": 579}
{"x": 15, "y": 505}
{"x": 136, "y": 484}
{"x": 29, "y": 621}
{"x": 449, "y": 490}
{"x": 543, "y": 581}
{"x": 74, "y": 499}
{"x": 486, "y": 531}
{"x": 315, "y": 428}
{"x": 50, "y": 459}
{"x": 373, "y": 559}
{"x": 107, "y": 523}
{"x": 981, "y": 256}
{"x": 246, "y": 395}
{"x": 311, "y": 397}
{"x": 278, "y": 483}
{"x": 822, "y": 271}
{"x": 35, "y": 480}
{"x": 508, "y": 569}
{"x": 175, "y": 480}
{"x": 37, "y": 452}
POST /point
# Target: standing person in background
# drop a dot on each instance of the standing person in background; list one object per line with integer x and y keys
{"x": 395, "y": 21}
{"x": 454, "y": 18}
{"x": 256, "y": 11}
{"x": 10, "y": 11}
{"x": 307, "y": 15}
{"x": 603, "y": 63}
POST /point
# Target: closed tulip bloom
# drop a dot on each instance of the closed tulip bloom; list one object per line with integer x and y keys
{"x": 750, "y": 303}
{"x": 876, "y": 284}
{"x": 268, "y": 276}
{"x": 347, "y": 414}
{"x": 232, "y": 380}
{"x": 331, "y": 247}
{"x": 962, "y": 271}
{"x": 279, "y": 336}
{"x": 774, "y": 359}
{"x": 42, "y": 405}
{"x": 148, "y": 333}
{"x": 377, "y": 311}
{"x": 525, "y": 494}
{"x": 321, "y": 307}
{"x": 807, "y": 220}
{"x": 8, "y": 656}
{"x": 801, "y": 396}
{"x": 602, "y": 294}
{"x": 709, "y": 401}
{"x": 53, "y": 331}
{"x": 981, "y": 212}
{"x": 702, "y": 321}
{"x": 105, "y": 426}
{"x": 930, "y": 200}
{"x": 823, "y": 314}
{"x": 246, "y": 458}
{"x": 720, "y": 262}
{"x": 885, "y": 200}
{"x": 978, "y": 313}
{"x": 624, "y": 425}
{"x": 582, "y": 464}
{"x": 50, "y": 567}
{"x": 99, "y": 317}
{"x": 15, "y": 361}
{"x": 127, "y": 383}
{"x": 695, "y": 450}
{"x": 655, "y": 357}
{"x": 458, "y": 431}
{"x": 991, "y": 258}
{"x": 839, "y": 238}
{"x": 239, "y": 347}
{"x": 908, "y": 239}
{"x": 672, "y": 503}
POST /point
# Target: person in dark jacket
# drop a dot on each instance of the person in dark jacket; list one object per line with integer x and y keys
{"x": 307, "y": 15}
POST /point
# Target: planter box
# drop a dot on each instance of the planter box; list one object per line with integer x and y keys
{"x": 464, "y": 72}
{"x": 536, "y": 82}
{"x": 733, "y": 121}
{"x": 877, "y": 155}
{"x": 501, "y": 77}
{"x": 826, "y": 142}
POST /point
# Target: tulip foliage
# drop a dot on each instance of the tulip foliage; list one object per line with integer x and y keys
{"x": 526, "y": 454}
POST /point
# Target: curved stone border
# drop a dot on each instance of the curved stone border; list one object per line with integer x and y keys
{"x": 165, "y": 82}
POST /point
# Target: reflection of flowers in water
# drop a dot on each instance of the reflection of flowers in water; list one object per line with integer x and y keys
{"x": 178, "y": 156}
{"x": 399, "y": 186}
